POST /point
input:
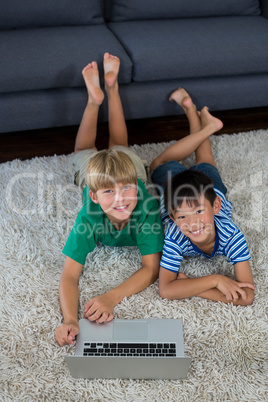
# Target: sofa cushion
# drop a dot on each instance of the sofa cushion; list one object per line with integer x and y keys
{"x": 124, "y": 10}
{"x": 54, "y": 57}
{"x": 264, "y": 8}
{"x": 185, "y": 48}
{"x": 37, "y": 13}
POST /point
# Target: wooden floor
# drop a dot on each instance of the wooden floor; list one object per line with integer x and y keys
{"x": 26, "y": 145}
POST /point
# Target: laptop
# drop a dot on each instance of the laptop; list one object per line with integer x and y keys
{"x": 130, "y": 349}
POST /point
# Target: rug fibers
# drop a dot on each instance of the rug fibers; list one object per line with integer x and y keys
{"x": 228, "y": 344}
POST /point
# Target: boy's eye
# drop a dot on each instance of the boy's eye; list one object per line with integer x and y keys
{"x": 199, "y": 211}
{"x": 108, "y": 191}
{"x": 127, "y": 187}
{"x": 180, "y": 217}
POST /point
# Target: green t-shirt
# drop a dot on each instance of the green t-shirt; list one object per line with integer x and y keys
{"x": 143, "y": 230}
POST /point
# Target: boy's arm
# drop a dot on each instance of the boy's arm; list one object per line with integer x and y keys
{"x": 101, "y": 308}
{"x": 69, "y": 294}
{"x": 213, "y": 287}
{"x": 243, "y": 275}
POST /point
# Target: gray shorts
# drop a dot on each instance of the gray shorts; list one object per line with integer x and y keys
{"x": 79, "y": 162}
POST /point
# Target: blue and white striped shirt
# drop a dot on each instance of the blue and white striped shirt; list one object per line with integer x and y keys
{"x": 229, "y": 240}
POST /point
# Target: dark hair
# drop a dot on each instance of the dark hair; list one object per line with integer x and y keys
{"x": 188, "y": 185}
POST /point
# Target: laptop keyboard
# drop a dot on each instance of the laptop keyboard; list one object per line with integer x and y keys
{"x": 130, "y": 349}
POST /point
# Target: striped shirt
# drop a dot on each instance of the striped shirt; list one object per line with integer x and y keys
{"x": 229, "y": 240}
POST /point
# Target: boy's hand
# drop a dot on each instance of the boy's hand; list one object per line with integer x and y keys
{"x": 233, "y": 290}
{"x": 66, "y": 333}
{"x": 100, "y": 308}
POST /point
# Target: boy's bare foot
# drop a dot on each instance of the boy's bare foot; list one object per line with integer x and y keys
{"x": 111, "y": 66}
{"x": 207, "y": 120}
{"x": 182, "y": 98}
{"x": 91, "y": 77}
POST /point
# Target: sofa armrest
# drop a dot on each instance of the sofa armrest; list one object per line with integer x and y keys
{"x": 264, "y": 8}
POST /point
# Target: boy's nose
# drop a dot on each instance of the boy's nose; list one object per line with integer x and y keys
{"x": 118, "y": 196}
{"x": 192, "y": 221}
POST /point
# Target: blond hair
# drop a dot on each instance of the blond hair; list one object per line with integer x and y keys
{"x": 109, "y": 167}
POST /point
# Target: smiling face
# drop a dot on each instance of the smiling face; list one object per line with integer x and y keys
{"x": 196, "y": 220}
{"x": 118, "y": 202}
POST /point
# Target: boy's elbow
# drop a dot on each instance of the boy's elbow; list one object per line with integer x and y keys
{"x": 164, "y": 292}
{"x": 249, "y": 299}
{"x": 246, "y": 302}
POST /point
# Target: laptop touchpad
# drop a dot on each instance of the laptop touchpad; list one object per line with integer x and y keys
{"x": 131, "y": 330}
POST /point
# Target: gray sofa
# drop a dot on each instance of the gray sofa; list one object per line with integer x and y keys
{"x": 216, "y": 49}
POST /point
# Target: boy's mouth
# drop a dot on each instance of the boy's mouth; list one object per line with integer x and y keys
{"x": 197, "y": 232}
{"x": 121, "y": 208}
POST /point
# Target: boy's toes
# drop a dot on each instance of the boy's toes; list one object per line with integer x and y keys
{"x": 108, "y": 55}
{"x": 87, "y": 67}
{"x": 93, "y": 64}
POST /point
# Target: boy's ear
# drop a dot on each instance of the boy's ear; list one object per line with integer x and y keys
{"x": 217, "y": 205}
{"x": 93, "y": 197}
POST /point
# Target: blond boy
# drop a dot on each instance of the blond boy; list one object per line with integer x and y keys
{"x": 117, "y": 210}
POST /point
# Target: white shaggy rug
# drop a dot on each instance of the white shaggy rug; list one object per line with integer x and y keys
{"x": 228, "y": 345}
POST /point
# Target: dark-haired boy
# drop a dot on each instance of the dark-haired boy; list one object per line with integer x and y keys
{"x": 197, "y": 215}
